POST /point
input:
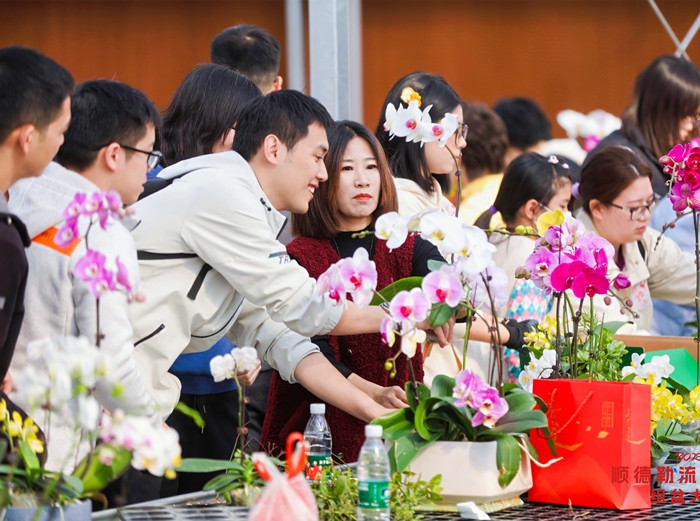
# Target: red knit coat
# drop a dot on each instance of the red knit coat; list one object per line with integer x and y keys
{"x": 288, "y": 404}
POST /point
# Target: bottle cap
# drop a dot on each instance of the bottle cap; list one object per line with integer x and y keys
{"x": 373, "y": 431}
{"x": 318, "y": 408}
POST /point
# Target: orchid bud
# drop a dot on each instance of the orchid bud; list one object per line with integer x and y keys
{"x": 628, "y": 302}
{"x": 607, "y": 300}
{"x": 522, "y": 273}
{"x": 622, "y": 281}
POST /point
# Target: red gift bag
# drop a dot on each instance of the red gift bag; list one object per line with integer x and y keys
{"x": 601, "y": 432}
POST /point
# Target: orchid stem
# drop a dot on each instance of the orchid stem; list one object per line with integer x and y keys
{"x": 697, "y": 295}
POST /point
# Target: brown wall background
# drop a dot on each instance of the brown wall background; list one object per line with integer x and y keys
{"x": 579, "y": 54}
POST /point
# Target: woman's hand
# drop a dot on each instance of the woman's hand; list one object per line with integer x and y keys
{"x": 443, "y": 333}
{"x": 390, "y": 397}
{"x": 248, "y": 376}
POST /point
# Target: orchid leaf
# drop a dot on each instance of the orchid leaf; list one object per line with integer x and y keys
{"x": 442, "y": 386}
{"x": 423, "y": 394}
{"x": 440, "y": 314}
{"x": 422, "y": 411}
{"x": 397, "y": 424}
{"x": 521, "y": 421}
{"x": 406, "y": 449}
{"x": 519, "y": 400}
{"x": 208, "y": 465}
{"x": 435, "y": 265}
{"x": 507, "y": 459}
{"x": 31, "y": 461}
{"x": 390, "y": 291}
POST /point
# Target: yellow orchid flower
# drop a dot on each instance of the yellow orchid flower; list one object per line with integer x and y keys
{"x": 408, "y": 95}
{"x": 547, "y": 219}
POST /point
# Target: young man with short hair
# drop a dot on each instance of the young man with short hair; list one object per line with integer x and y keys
{"x": 252, "y": 51}
{"x": 34, "y": 113}
{"x": 212, "y": 266}
{"x": 108, "y": 146}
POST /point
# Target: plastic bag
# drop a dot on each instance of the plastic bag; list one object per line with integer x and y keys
{"x": 285, "y": 496}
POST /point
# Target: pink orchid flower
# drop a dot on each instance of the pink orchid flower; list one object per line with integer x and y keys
{"x": 123, "y": 275}
{"x": 102, "y": 283}
{"x": 540, "y": 265}
{"x": 388, "y": 331}
{"x": 67, "y": 233}
{"x": 467, "y": 384}
{"x": 409, "y": 306}
{"x": 89, "y": 266}
{"x": 360, "y": 276}
{"x": 684, "y": 195}
{"x": 443, "y": 285}
{"x": 331, "y": 282}
{"x": 75, "y": 207}
{"x": 490, "y": 408}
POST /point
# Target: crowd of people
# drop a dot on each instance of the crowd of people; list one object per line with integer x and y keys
{"x": 229, "y": 162}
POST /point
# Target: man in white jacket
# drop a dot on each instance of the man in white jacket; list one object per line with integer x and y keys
{"x": 212, "y": 266}
{"x": 108, "y": 146}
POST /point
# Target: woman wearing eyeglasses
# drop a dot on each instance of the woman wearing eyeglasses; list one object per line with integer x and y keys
{"x": 665, "y": 110}
{"x": 617, "y": 197}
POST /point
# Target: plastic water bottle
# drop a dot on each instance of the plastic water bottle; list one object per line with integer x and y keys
{"x": 373, "y": 477}
{"x": 318, "y": 437}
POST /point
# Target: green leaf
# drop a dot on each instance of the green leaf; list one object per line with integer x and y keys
{"x": 521, "y": 421}
{"x": 191, "y": 413}
{"x": 519, "y": 400}
{"x": 397, "y": 424}
{"x": 98, "y": 475}
{"x": 435, "y": 265}
{"x": 208, "y": 465}
{"x": 442, "y": 386}
{"x": 422, "y": 411}
{"x": 390, "y": 291}
{"x": 507, "y": 459}
{"x": 220, "y": 481}
{"x": 423, "y": 394}
{"x": 31, "y": 461}
{"x": 440, "y": 314}
{"x": 406, "y": 449}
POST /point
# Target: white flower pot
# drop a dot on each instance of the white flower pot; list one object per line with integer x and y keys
{"x": 469, "y": 471}
{"x": 78, "y": 512}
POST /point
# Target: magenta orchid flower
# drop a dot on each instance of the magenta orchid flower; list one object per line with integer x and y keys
{"x": 563, "y": 275}
{"x": 75, "y": 207}
{"x": 102, "y": 283}
{"x": 409, "y": 306}
{"x": 684, "y": 195}
{"x": 360, "y": 276}
{"x": 589, "y": 283}
{"x": 467, "y": 384}
{"x": 622, "y": 281}
{"x": 443, "y": 285}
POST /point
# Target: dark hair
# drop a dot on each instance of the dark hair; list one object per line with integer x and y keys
{"x": 250, "y": 50}
{"x": 407, "y": 160}
{"x": 608, "y": 172}
{"x": 321, "y": 221}
{"x": 104, "y": 112}
{"x": 664, "y": 93}
{"x": 528, "y": 176}
{"x": 205, "y": 106}
{"x": 33, "y": 88}
{"x": 286, "y": 113}
{"x": 525, "y": 120}
{"x": 488, "y": 141}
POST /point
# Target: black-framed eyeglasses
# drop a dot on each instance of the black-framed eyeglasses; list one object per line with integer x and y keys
{"x": 154, "y": 156}
{"x": 637, "y": 212}
{"x": 694, "y": 119}
{"x": 462, "y": 131}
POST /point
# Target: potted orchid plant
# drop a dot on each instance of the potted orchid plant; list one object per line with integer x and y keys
{"x": 59, "y": 382}
{"x": 462, "y": 409}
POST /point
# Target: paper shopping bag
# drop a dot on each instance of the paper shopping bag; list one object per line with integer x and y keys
{"x": 601, "y": 432}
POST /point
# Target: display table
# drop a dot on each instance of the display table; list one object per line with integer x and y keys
{"x": 190, "y": 507}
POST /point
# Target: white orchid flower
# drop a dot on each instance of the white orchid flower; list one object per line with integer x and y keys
{"x": 244, "y": 358}
{"x": 222, "y": 367}
{"x": 410, "y": 340}
{"x": 389, "y": 116}
{"x": 406, "y": 124}
{"x": 477, "y": 252}
{"x": 635, "y": 365}
{"x": 444, "y": 231}
{"x": 392, "y": 228}
{"x": 663, "y": 365}
{"x": 449, "y": 126}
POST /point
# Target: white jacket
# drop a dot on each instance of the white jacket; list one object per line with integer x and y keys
{"x": 58, "y": 303}
{"x": 219, "y": 215}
